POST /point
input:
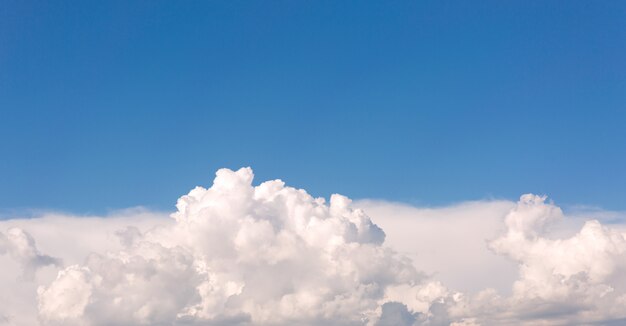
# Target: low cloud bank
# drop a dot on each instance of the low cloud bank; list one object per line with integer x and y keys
{"x": 238, "y": 254}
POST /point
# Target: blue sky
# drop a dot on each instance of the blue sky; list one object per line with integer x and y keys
{"x": 106, "y": 105}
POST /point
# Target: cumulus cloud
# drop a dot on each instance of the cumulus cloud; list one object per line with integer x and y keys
{"x": 239, "y": 254}
{"x": 21, "y": 246}
{"x": 572, "y": 279}
{"x": 236, "y": 253}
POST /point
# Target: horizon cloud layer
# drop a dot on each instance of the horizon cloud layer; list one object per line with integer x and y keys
{"x": 238, "y": 254}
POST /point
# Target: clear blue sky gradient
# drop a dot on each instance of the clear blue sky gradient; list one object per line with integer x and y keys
{"x": 110, "y": 104}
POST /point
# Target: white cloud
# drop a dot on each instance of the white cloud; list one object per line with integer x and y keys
{"x": 21, "y": 246}
{"x": 72, "y": 239}
{"x": 449, "y": 243}
{"x": 582, "y": 277}
{"x": 274, "y": 255}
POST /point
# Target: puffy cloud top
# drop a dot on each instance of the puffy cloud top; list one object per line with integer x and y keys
{"x": 268, "y": 254}
{"x": 578, "y": 278}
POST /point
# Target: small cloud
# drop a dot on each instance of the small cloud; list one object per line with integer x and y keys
{"x": 21, "y": 246}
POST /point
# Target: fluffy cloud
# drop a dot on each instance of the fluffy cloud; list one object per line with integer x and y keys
{"x": 21, "y": 246}
{"x": 580, "y": 278}
{"x": 273, "y": 255}
{"x": 236, "y": 253}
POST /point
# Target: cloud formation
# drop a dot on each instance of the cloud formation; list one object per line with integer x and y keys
{"x": 238, "y": 254}
{"x": 268, "y": 254}
{"x": 580, "y": 278}
{"x": 21, "y": 247}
